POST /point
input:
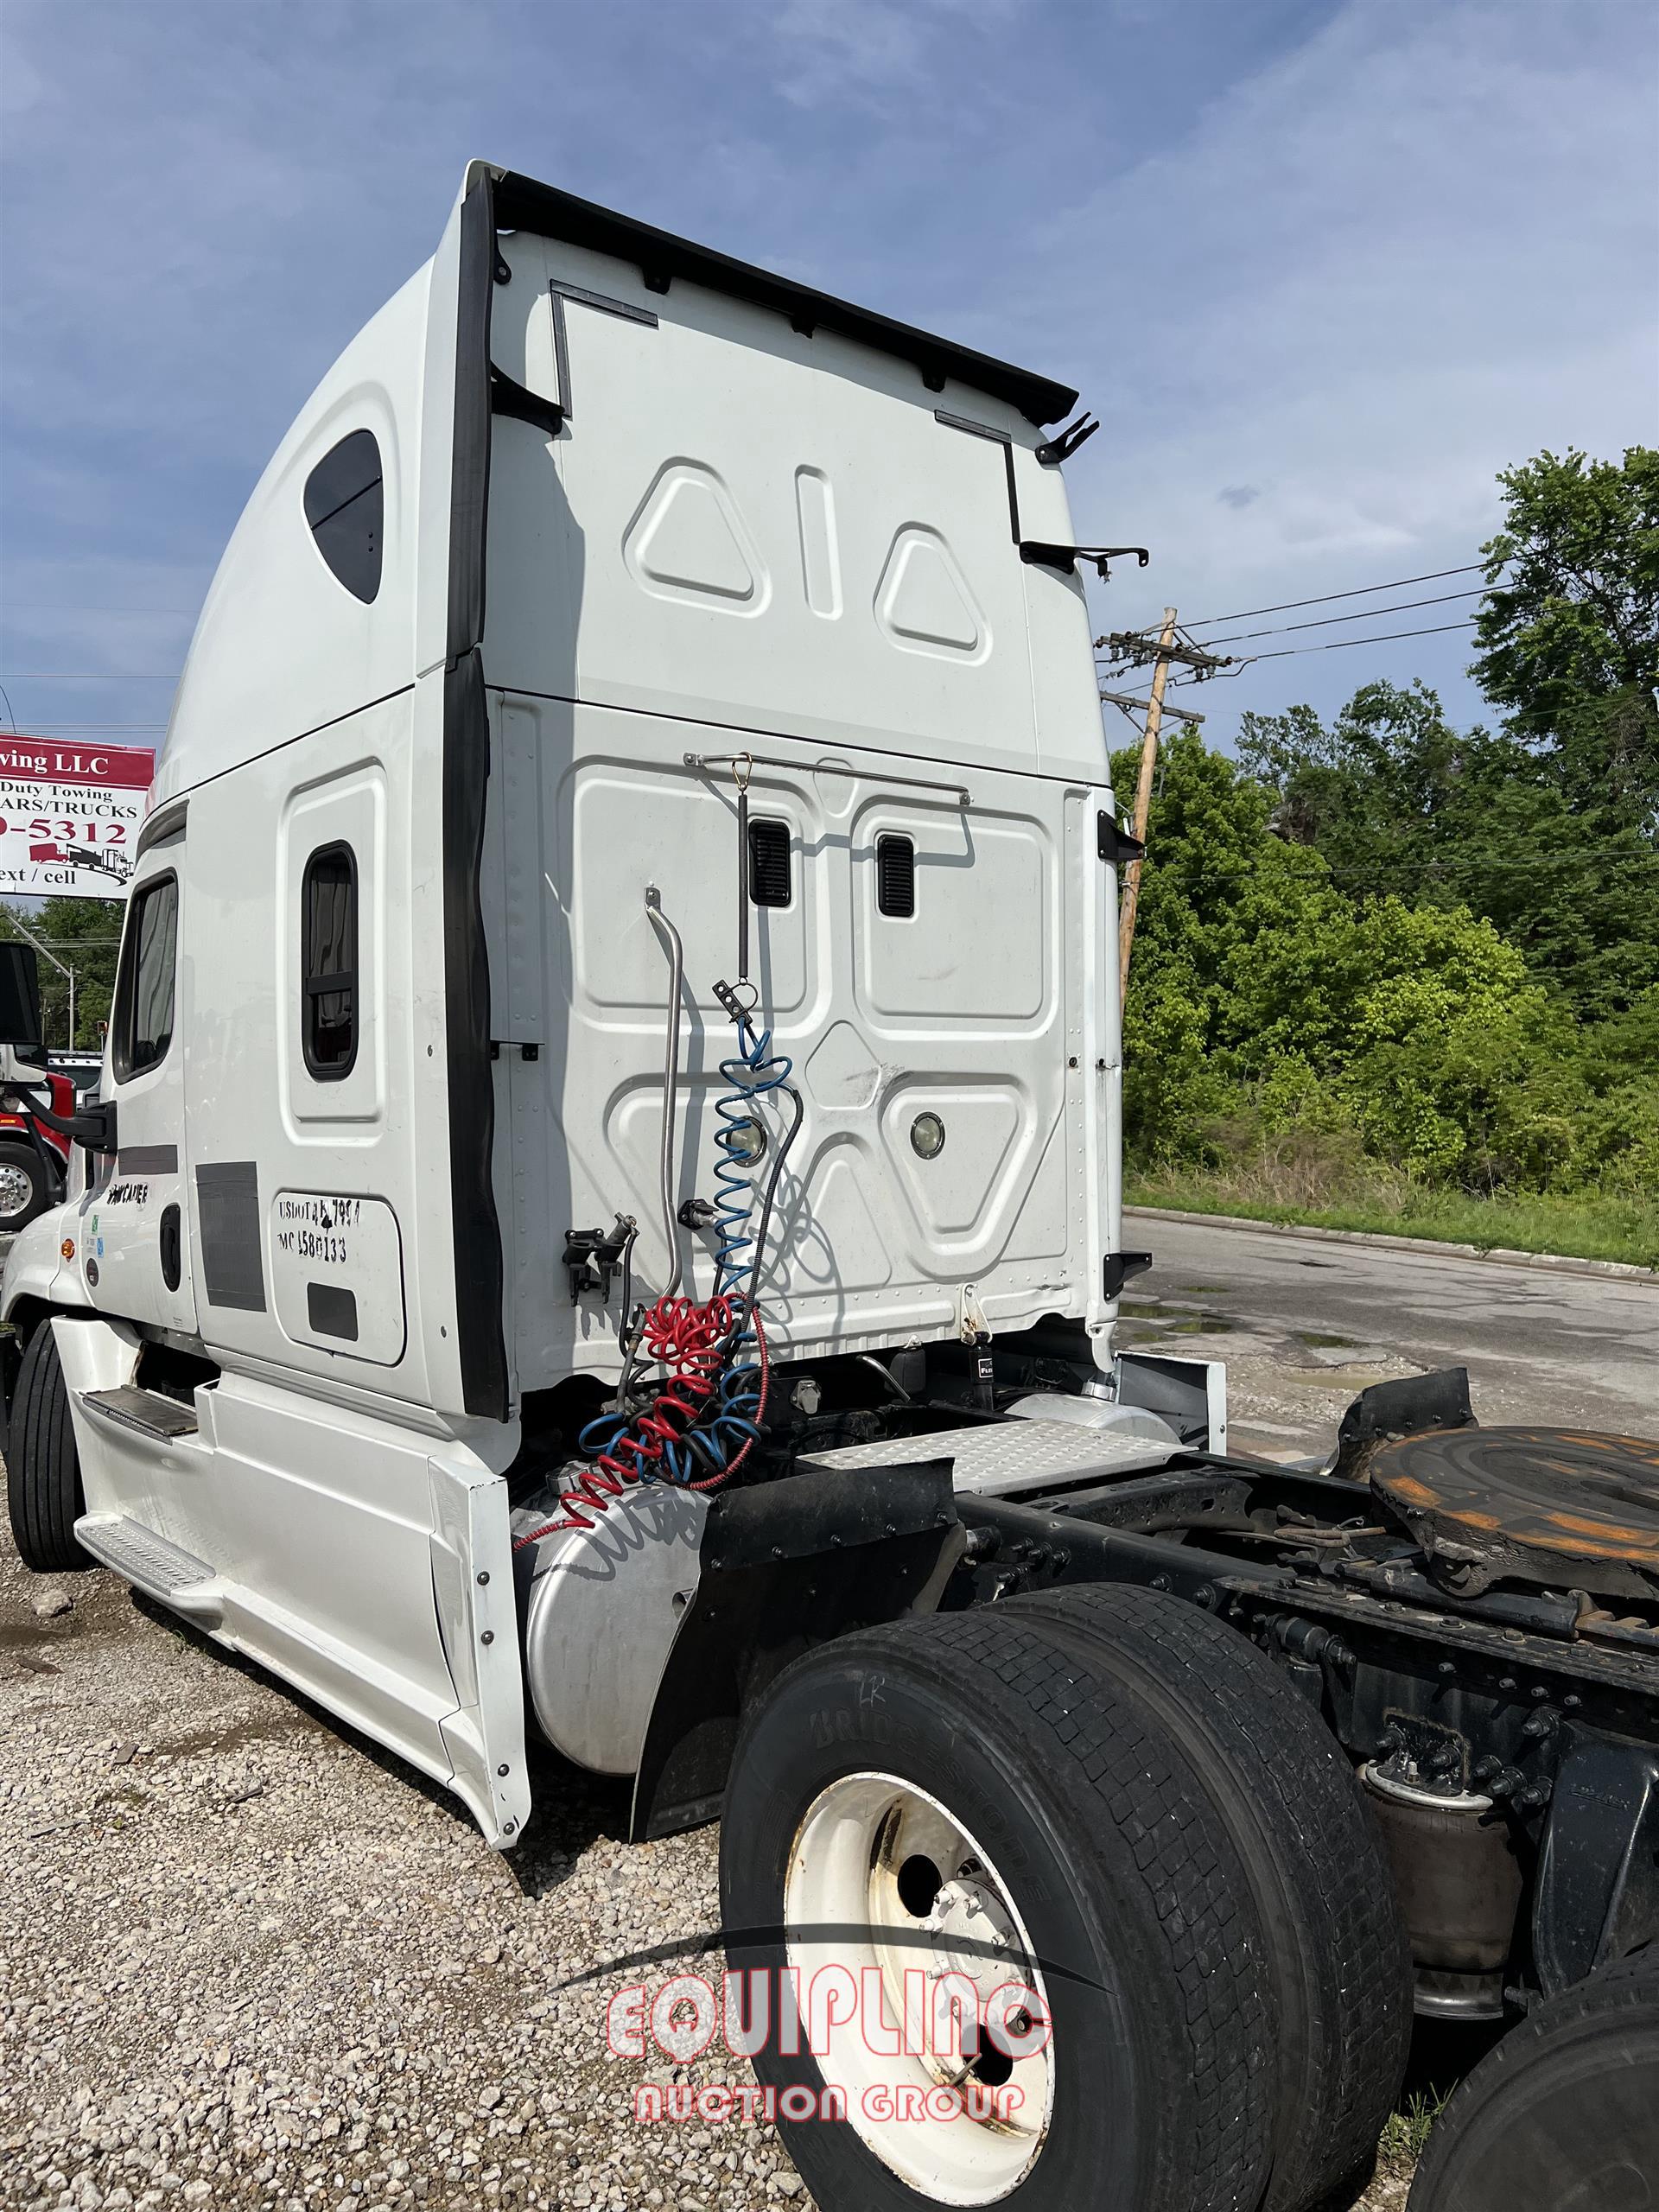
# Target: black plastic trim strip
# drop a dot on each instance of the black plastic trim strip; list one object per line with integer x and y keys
{"x": 560, "y": 293}
{"x": 147, "y": 1159}
{"x": 230, "y": 1246}
{"x": 973, "y": 429}
{"x": 604, "y": 303}
{"x": 996, "y": 438}
{"x": 522, "y": 204}
{"x": 1119, "y": 1268}
{"x": 469, "y": 489}
{"x": 480, "y": 1344}
{"x": 508, "y": 397}
{"x": 165, "y": 821}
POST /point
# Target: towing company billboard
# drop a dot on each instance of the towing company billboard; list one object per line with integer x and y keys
{"x": 70, "y": 815}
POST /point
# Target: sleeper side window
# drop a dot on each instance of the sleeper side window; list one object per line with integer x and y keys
{"x": 345, "y": 504}
{"x": 144, "y": 1014}
{"x": 328, "y": 1009}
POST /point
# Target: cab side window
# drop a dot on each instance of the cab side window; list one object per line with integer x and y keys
{"x": 345, "y": 505}
{"x": 328, "y": 1011}
{"x": 144, "y": 1012}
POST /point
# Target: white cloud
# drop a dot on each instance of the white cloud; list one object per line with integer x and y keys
{"x": 1410, "y": 253}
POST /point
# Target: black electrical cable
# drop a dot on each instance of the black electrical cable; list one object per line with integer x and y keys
{"x": 1336, "y": 644}
{"x": 1324, "y": 599}
{"x": 1360, "y": 615}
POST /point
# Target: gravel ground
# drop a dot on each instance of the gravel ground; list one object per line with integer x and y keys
{"x": 247, "y": 1959}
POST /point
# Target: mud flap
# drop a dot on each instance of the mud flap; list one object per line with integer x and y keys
{"x": 784, "y": 1566}
{"x": 472, "y": 1588}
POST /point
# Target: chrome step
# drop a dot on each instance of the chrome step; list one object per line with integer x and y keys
{"x": 146, "y": 1411}
{"x": 152, "y": 1563}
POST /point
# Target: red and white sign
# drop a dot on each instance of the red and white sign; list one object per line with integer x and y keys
{"x": 70, "y": 814}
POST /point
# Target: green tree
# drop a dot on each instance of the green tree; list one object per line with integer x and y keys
{"x": 1401, "y": 805}
{"x": 1264, "y": 997}
{"x": 1569, "y": 638}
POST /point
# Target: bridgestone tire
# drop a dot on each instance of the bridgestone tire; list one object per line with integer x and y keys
{"x": 1562, "y": 2115}
{"x": 43, "y": 1490}
{"x": 1136, "y": 1906}
{"x": 21, "y": 1165}
{"x": 1339, "y": 1953}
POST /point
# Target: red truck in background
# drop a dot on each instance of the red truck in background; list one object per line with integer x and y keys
{"x": 31, "y": 1176}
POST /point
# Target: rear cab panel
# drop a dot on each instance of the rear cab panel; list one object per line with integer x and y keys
{"x": 750, "y": 538}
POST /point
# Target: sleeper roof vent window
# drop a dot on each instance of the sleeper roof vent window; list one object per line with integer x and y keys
{"x": 345, "y": 506}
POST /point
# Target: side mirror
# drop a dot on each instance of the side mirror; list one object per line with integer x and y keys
{"x": 22, "y": 1054}
{"x": 20, "y": 999}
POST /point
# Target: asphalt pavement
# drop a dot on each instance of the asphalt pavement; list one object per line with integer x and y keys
{"x": 1304, "y": 1326}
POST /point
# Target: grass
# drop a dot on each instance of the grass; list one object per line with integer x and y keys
{"x": 1405, "y": 2129}
{"x": 1589, "y": 1227}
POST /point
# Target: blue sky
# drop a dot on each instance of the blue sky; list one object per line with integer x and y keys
{"x": 1321, "y": 269}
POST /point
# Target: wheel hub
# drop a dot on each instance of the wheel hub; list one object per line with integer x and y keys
{"x": 966, "y": 1917}
{"x": 15, "y": 1191}
{"x": 885, "y": 1882}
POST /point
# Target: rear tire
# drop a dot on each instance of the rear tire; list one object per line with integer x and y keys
{"x": 1338, "y": 1949}
{"x": 43, "y": 1491}
{"x": 1070, "y": 1820}
{"x": 1563, "y": 2115}
{"x": 25, "y": 1187}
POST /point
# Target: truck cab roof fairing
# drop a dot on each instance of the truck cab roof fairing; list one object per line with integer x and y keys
{"x": 522, "y": 204}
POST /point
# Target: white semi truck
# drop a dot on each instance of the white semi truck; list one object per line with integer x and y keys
{"x": 602, "y": 1225}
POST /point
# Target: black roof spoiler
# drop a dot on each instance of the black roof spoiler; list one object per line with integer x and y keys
{"x": 521, "y": 204}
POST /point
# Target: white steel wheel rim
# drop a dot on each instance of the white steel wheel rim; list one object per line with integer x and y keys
{"x": 16, "y": 1191}
{"x": 857, "y": 1838}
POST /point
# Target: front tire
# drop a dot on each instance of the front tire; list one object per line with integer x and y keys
{"x": 958, "y": 1794}
{"x": 43, "y": 1491}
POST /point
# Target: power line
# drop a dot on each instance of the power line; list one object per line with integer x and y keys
{"x": 1336, "y": 644}
{"x": 1333, "y": 645}
{"x": 1324, "y": 599}
{"x": 87, "y": 676}
{"x": 1360, "y": 615}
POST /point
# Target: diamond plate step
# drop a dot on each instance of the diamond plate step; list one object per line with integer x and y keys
{"x": 166, "y": 1570}
{"x": 146, "y": 1411}
{"x": 1008, "y": 1455}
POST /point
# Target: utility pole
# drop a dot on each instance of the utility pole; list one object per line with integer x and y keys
{"x": 1143, "y": 801}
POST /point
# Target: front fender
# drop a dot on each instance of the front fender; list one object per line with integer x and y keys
{"x": 36, "y": 1270}
{"x": 35, "y": 1280}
